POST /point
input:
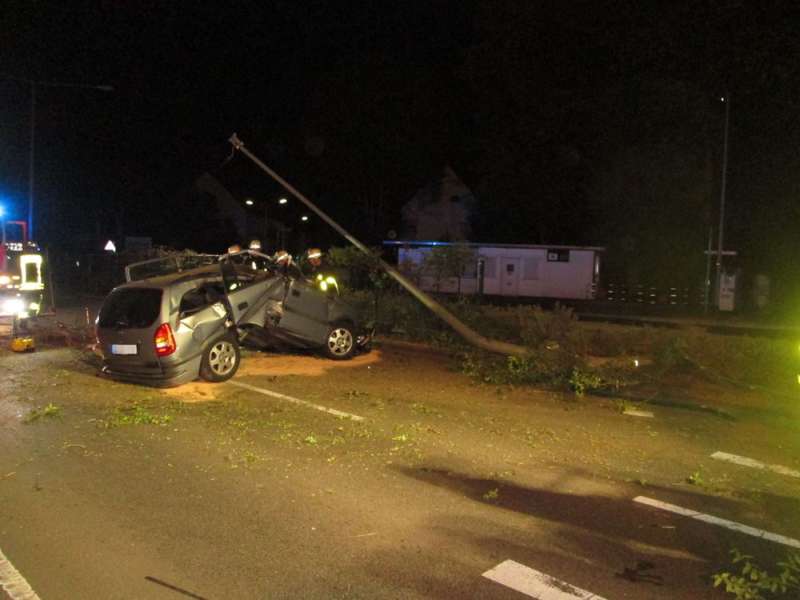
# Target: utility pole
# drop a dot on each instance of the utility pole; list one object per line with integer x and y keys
{"x": 32, "y": 161}
{"x": 707, "y": 281}
{"x": 721, "y": 239}
{"x": 473, "y": 337}
{"x": 32, "y": 149}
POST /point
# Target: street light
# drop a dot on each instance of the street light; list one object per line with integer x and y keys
{"x": 32, "y": 156}
{"x": 304, "y": 218}
{"x": 721, "y": 238}
{"x": 281, "y": 201}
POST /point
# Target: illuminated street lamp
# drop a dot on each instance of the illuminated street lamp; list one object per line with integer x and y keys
{"x": 304, "y": 218}
{"x": 281, "y": 201}
{"x": 721, "y": 239}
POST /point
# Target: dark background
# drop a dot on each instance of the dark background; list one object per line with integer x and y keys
{"x": 573, "y": 122}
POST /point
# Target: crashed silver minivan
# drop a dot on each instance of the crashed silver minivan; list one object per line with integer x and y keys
{"x": 174, "y": 321}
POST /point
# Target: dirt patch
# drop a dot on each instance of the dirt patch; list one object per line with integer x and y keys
{"x": 310, "y": 366}
{"x": 196, "y": 391}
{"x": 271, "y": 365}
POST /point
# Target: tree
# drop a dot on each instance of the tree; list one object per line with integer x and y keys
{"x": 445, "y": 262}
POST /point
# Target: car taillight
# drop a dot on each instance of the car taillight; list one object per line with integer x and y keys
{"x": 164, "y": 340}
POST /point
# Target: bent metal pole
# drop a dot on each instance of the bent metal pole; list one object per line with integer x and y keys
{"x": 471, "y": 336}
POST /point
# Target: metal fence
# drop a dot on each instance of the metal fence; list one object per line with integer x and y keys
{"x": 660, "y": 296}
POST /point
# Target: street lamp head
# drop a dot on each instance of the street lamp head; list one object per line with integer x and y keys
{"x": 105, "y": 88}
{"x": 249, "y": 202}
{"x": 722, "y": 98}
{"x": 282, "y": 201}
{"x": 304, "y": 218}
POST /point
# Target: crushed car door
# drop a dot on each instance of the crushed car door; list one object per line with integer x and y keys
{"x": 305, "y": 312}
{"x": 201, "y": 314}
{"x": 251, "y": 292}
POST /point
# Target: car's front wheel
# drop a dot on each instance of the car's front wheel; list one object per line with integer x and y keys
{"x": 340, "y": 343}
{"x": 220, "y": 360}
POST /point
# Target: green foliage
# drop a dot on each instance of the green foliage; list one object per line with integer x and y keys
{"x": 767, "y": 362}
{"x": 540, "y": 367}
{"x": 671, "y": 354}
{"x": 135, "y": 415}
{"x": 558, "y": 342}
{"x": 362, "y": 271}
{"x": 584, "y": 381}
{"x": 492, "y": 495}
{"x": 364, "y": 280}
{"x": 51, "y": 410}
{"x": 696, "y": 478}
{"x": 444, "y": 262}
{"x": 621, "y": 405}
{"x": 538, "y": 326}
{"x": 755, "y": 583}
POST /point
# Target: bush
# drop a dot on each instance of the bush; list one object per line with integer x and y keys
{"x": 754, "y": 582}
{"x": 771, "y": 363}
{"x": 541, "y": 367}
{"x": 581, "y": 381}
{"x": 671, "y": 354}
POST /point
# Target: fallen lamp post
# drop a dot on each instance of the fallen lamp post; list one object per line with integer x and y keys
{"x": 471, "y": 336}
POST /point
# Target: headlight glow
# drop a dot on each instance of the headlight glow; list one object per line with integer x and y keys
{"x": 13, "y": 306}
{"x": 5, "y": 279}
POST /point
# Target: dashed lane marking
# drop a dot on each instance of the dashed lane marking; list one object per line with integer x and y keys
{"x": 535, "y": 584}
{"x": 749, "y": 462}
{"x": 638, "y": 413}
{"x": 331, "y": 411}
{"x": 13, "y": 583}
{"x": 733, "y": 525}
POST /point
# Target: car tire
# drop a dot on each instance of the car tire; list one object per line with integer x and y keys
{"x": 221, "y": 359}
{"x": 340, "y": 343}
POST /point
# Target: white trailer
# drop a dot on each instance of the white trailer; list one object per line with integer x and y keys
{"x": 518, "y": 270}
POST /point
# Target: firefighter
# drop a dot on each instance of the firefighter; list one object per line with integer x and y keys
{"x": 312, "y": 263}
{"x": 282, "y": 260}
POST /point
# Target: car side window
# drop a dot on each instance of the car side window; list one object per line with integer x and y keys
{"x": 200, "y": 297}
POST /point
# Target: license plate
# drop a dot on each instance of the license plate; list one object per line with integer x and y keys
{"x": 124, "y": 349}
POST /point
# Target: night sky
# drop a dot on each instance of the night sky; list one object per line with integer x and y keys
{"x": 573, "y": 123}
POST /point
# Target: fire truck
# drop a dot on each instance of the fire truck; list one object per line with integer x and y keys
{"x": 21, "y": 281}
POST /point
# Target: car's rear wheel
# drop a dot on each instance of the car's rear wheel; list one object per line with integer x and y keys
{"x": 340, "y": 343}
{"x": 220, "y": 359}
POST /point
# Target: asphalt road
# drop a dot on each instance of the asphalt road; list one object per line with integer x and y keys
{"x": 128, "y": 492}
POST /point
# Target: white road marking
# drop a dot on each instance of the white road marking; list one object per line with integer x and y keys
{"x": 535, "y": 583}
{"x": 331, "y": 411}
{"x": 13, "y": 583}
{"x": 749, "y": 462}
{"x": 638, "y": 413}
{"x": 759, "y": 533}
